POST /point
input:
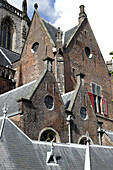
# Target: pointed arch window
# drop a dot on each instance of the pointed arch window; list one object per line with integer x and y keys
{"x": 6, "y": 33}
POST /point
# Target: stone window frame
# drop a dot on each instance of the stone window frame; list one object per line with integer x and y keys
{"x": 84, "y": 138}
{"x": 88, "y": 52}
{"x": 53, "y": 131}
{"x": 35, "y": 47}
{"x": 86, "y": 113}
{"x": 52, "y": 108}
{"x": 97, "y": 98}
{"x": 7, "y": 26}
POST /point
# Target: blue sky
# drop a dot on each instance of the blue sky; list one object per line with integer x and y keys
{"x": 64, "y": 13}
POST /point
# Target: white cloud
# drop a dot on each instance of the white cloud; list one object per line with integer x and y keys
{"x": 99, "y": 15}
{"x": 67, "y": 11}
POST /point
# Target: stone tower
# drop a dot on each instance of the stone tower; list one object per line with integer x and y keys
{"x": 14, "y": 25}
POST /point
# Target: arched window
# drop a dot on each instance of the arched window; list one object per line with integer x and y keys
{"x": 49, "y": 135}
{"x": 83, "y": 140}
{"x": 6, "y": 33}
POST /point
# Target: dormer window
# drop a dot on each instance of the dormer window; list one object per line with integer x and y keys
{"x": 48, "y": 134}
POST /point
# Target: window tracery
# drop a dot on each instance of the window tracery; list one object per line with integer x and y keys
{"x": 6, "y": 32}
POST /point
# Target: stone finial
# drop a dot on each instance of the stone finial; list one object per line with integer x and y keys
{"x": 87, "y": 156}
{"x": 87, "y": 137}
{"x": 82, "y": 13}
{"x": 50, "y": 156}
{"x": 36, "y": 6}
{"x": 24, "y": 8}
{"x": 59, "y": 34}
{"x": 4, "y": 109}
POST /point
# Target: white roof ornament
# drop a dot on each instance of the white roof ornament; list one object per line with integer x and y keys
{"x": 51, "y": 159}
{"x": 87, "y": 156}
{"x": 4, "y": 118}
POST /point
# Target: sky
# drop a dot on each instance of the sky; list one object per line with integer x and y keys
{"x": 65, "y": 13}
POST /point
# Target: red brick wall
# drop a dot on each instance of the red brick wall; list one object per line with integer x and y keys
{"x": 94, "y": 68}
{"x": 31, "y": 64}
{"x": 36, "y": 116}
{"x": 80, "y": 126}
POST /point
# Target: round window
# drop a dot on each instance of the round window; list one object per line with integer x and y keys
{"x": 87, "y": 51}
{"x": 49, "y": 102}
{"x": 35, "y": 47}
{"x": 83, "y": 113}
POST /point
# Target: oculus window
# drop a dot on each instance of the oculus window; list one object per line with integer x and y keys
{"x": 35, "y": 47}
{"x": 49, "y": 102}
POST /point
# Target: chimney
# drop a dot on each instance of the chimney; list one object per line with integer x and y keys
{"x": 82, "y": 14}
{"x": 48, "y": 63}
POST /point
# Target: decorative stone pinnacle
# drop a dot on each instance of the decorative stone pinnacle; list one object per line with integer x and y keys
{"x": 52, "y": 148}
{"x": 5, "y": 109}
{"x": 87, "y": 136}
{"x": 35, "y": 5}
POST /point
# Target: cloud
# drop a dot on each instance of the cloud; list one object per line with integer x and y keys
{"x": 65, "y": 13}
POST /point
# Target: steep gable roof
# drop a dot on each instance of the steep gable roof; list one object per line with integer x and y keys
{"x": 10, "y": 98}
{"x": 51, "y": 29}
{"x": 26, "y": 91}
{"x": 109, "y": 134}
{"x": 71, "y": 33}
{"x": 8, "y": 57}
{"x": 20, "y": 152}
{"x": 46, "y": 28}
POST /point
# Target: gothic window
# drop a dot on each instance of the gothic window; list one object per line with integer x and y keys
{"x": 6, "y": 32}
{"x": 24, "y": 32}
{"x": 83, "y": 140}
{"x": 49, "y": 135}
{"x": 49, "y": 102}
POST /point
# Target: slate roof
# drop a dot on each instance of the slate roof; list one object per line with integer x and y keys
{"x": 4, "y": 54}
{"x": 109, "y": 134}
{"x": 17, "y": 151}
{"x": 13, "y": 95}
{"x": 101, "y": 158}
{"x": 51, "y": 29}
{"x": 67, "y": 98}
{"x": 69, "y": 34}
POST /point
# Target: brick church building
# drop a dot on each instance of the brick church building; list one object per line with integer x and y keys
{"x": 52, "y": 89}
{"x": 55, "y": 89}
